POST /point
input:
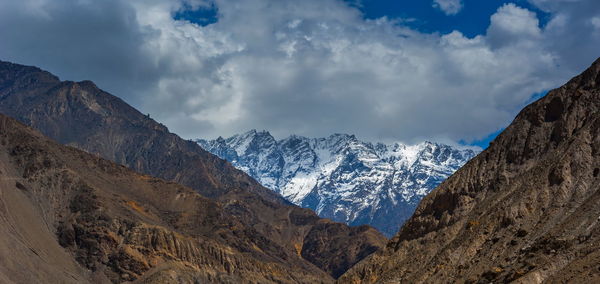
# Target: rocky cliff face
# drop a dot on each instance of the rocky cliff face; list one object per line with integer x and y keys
{"x": 115, "y": 225}
{"x": 526, "y": 209}
{"x": 341, "y": 177}
{"x": 81, "y": 115}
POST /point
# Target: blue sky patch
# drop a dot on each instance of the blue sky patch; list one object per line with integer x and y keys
{"x": 202, "y": 16}
{"x": 472, "y": 20}
{"x": 485, "y": 142}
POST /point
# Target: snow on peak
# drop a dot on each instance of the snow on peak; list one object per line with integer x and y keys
{"x": 341, "y": 177}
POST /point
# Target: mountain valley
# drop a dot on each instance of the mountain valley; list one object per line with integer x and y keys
{"x": 93, "y": 191}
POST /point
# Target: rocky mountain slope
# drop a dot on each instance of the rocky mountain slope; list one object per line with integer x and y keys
{"x": 81, "y": 115}
{"x": 527, "y": 209}
{"x": 341, "y": 177}
{"x": 117, "y": 225}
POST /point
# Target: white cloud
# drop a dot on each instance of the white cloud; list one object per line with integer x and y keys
{"x": 310, "y": 67}
{"x": 449, "y": 7}
{"x": 512, "y": 24}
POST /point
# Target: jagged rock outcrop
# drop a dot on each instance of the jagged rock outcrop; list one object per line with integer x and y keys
{"x": 525, "y": 210}
{"x": 343, "y": 178}
{"x": 81, "y": 115}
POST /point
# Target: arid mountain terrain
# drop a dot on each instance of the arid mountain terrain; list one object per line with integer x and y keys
{"x": 527, "y": 209}
{"x": 117, "y": 225}
{"x": 81, "y": 115}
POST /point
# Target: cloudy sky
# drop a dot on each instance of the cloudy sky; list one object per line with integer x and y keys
{"x": 454, "y": 70}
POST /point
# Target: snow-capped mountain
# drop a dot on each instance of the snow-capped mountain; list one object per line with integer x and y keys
{"x": 341, "y": 177}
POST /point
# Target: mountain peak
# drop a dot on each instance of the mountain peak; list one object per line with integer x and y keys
{"x": 12, "y": 71}
{"x": 263, "y": 133}
{"x": 335, "y": 175}
{"x": 87, "y": 84}
{"x": 66, "y": 112}
{"x": 343, "y": 135}
{"x": 253, "y": 133}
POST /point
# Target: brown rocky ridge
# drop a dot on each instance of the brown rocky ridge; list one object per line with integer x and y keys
{"x": 526, "y": 210}
{"x": 81, "y": 115}
{"x": 69, "y": 216}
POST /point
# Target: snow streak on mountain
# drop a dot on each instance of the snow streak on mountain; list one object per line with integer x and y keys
{"x": 341, "y": 177}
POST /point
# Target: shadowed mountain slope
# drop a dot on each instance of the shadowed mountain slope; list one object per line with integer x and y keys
{"x": 527, "y": 209}
{"x": 117, "y": 225}
{"x": 81, "y": 115}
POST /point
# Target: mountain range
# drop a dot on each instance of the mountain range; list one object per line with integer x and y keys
{"x": 81, "y": 115}
{"x": 341, "y": 177}
{"x": 93, "y": 191}
{"x": 72, "y": 217}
